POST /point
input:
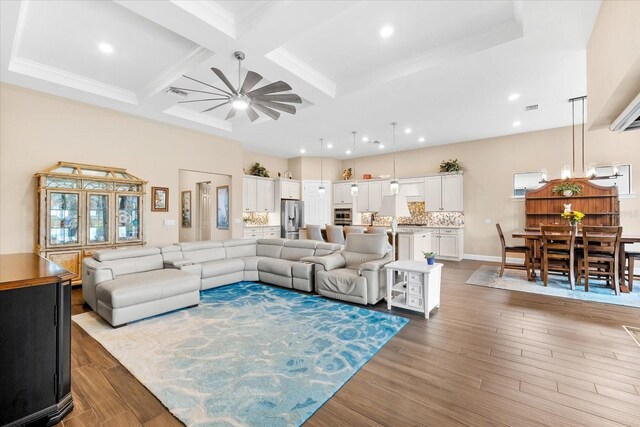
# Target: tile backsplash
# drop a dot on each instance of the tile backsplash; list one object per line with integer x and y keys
{"x": 254, "y": 219}
{"x": 420, "y": 217}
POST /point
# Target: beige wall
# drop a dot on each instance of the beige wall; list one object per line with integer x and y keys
{"x": 308, "y": 168}
{"x": 37, "y": 130}
{"x": 489, "y": 166}
{"x": 613, "y": 61}
{"x": 272, "y": 163}
{"x": 188, "y": 181}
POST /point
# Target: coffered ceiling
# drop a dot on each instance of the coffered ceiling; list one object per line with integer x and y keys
{"x": 446, "y": 71}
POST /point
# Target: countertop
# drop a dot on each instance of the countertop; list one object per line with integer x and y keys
{"x": 261, "y": 226}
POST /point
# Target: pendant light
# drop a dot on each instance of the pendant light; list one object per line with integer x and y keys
{"x": 354, "y": 186}
{"x": 394, "y": 186}
{"x": 322, "y": 188}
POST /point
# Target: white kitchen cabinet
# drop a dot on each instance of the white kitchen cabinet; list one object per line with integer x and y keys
{"x": 385, "y": 189}
{"x": 443, "y": 193}
{"x": 448, "y": 243}
{"x": 363, "y": 197}
{"x": 342, "y": 193}
{"x": 433, "y": 193}
{"x": 266, "y": 232}
{"x": 375, "y": 196}
{"x": 452, "y": 193}
{"x": 412, "y": 245}
{"x": 289, "y": 189}
{"x": 249, "y": 194}
{"x": 265, "y": 195}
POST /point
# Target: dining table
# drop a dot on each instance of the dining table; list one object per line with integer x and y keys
{"x": 532, "y": 236}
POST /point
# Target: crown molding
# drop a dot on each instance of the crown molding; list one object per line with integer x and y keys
{"x": 210, "y": 13}
{"x": 301, "y": 69}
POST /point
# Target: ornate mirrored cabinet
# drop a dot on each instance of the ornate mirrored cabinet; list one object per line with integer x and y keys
{"x": 83, "y": 208}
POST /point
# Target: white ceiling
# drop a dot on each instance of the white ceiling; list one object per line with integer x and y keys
{"x": 446, "y": 72}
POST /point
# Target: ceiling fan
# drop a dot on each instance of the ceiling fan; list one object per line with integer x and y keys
{"x": 264, "y": 99}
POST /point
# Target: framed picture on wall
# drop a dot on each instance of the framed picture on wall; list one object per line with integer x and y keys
{"x": 222, "y": 211}
{"x": 186, "y": 208}
{"x": 159, "y": 199}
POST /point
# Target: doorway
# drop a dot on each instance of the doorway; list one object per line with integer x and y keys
{"x": 200, "y": 191}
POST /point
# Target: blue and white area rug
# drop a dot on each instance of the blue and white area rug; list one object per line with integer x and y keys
{"x": 558, "y": 286}
{"x": 249, "y": 354}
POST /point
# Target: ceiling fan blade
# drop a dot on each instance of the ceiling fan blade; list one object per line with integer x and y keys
{"x": 283, "y": 97}
{"x": 231, "y": 114}
{"x": 198, "y": 91}
{"x": 253, "y": 116}
{"x": 276, "y": 106}
{"x": 268, "y": 111}
{"x": 278, "y": 86}
{"x": 225, "y": 80}
{"x": 207, "y": 84}
{"x": 206, "y": 99}
{"x": 214, "y": 107}
{"x": 250, "y": 81}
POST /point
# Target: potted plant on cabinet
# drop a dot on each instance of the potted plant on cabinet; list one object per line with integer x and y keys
{"x": 567, "y": 189}
{"x": 430, "y": 257}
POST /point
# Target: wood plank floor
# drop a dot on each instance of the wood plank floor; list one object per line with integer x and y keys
{"x": 487, "y": 357}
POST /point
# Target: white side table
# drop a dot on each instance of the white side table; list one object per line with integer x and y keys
{"x": 413, "y": 285}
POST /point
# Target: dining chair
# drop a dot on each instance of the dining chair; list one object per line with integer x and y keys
{"x": 630, "y": 257}
{"x": 599, "y": 256}
{"x": 514, "y": 249}
{"x": 558, "y": 246}
{"x": 335, "y": 234}
{"x": 354, "y": 229}
{"x": 376, "y": 230}
{"x": 314, "y": 232}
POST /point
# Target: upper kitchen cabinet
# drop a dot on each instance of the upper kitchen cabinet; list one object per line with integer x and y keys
{"x": 444, "y": 193}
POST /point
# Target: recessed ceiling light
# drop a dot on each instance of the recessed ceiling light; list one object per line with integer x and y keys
{"x": 365, "y": 138}
{"x": 386, "y": 31}
{"x": 514, "y": 96}
{"x": 329, "y": 145}
{"x": 381, "y": 146}
{"x": 408, "y": 130}
{"x": 517, "y": 123}
{"x": 105, "y": 47}
{"x": 348, "y": 151}
{"x": 302, "y": 151}
{"x": 421, "y": 139}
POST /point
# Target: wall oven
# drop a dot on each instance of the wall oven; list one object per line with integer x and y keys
{"x": 342, "y": 216}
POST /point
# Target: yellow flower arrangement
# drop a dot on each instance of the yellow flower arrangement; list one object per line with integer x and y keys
{"x": 574, "y": 217}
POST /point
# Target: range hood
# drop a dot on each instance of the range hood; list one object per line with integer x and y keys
{"x": 629, "y": 119}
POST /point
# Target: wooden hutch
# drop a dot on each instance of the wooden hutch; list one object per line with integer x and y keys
{"x": 600, "y": 205}
{"x": 83, "y": 208}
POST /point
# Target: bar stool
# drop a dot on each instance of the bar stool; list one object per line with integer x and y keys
{"x": 314, "y": 232}
{"x": 335, "y": 234}
{"x": 376, "y": 230}
{"x": 354, "y": 229}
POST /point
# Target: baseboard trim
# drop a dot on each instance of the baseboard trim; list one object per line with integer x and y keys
{"x": 492, "y": 258}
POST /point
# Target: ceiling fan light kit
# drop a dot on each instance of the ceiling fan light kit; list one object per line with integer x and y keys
{"x": 265, "y": 99}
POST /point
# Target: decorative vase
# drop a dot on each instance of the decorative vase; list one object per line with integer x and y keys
{"x": 567, "y": 193}
{"x": 431, "y": 261}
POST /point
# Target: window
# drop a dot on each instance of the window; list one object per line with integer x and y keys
{"x": 623, "y": 181}
{"x": 525, "y": 181}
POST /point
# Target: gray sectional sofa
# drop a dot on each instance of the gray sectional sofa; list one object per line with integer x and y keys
{"x": 124, "y": 285}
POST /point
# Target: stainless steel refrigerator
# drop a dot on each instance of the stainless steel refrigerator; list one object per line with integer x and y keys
{"x": 291, "y": 218}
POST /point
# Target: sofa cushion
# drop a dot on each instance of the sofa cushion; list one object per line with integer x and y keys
{"x": 293, "y": 253}
{"x": 221, "y": 267}
{"x": 131, "y": 265}
{"x": 171, "y": 253}
{"x": 269, "y": 247}
{"x": 251, "y": 262}
{"x": 240, "y": 248}
{"x": 113, "y": 254}
{"x": 326, "y": 248}
{"x": 277, "y": 266}
{"x": 361, "y": 248}
{"x": 344, "y": 281}
{"x": 203, "y": 251}
{"x": 138, "y": 288}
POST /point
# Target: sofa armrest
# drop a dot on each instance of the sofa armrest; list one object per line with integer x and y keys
{"x": 376, "y": 264}
{"x": 93, "y": 273}
{"x": 328, "y": 262}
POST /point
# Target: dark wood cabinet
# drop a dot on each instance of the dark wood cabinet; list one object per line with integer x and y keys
{"x": 35, "y": 340}
{"x": 600, "y": 204}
